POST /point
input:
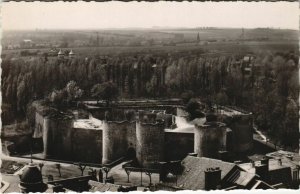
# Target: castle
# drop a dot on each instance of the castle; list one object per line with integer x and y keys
{"x": 150, "y": 135}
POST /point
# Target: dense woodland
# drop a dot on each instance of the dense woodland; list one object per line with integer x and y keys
{"x": 265, "y": 83}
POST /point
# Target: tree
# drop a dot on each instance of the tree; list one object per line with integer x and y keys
{"x": 186, "y": 96}
{"x": 149, "y": 175}
{"x": 41, "y": 165}
{"x": 106, "y": 170}
{"x": 222, "y": 99}
{"x": 81, "y": 167}
{"x": 172, "y": 77}
{"x": 151, "y": 86}
{"x": 21, "y": 94}
{"x": 57, "y": 97}
{"x": 291, "y": 123}
{"x": 73, "y": 91}
{"x": 106, "y": 91}
{"x": 193, "y": 108}
{"x": 128, "y": 173}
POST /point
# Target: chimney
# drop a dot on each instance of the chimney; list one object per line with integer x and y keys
{"x": 163, "y": 171}
{"x": 265, "y": 161}
{"x": 212, "y": 178}
{"x": 262, "y": 171}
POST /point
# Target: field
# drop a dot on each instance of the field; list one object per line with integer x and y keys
{"x": 217, "y": 48}
{"x": 152, "y": 41}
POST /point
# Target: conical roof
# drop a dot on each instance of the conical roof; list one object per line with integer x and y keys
{"x": 31, "y": 175}
{"x": 71, "y": 52}
{"x": 60, "y": 52}
{"x": 31, "y": 180}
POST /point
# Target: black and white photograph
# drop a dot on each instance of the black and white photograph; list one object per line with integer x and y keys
{"x": 149, "y": 96}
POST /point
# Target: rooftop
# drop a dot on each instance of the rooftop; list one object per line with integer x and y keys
{"x": 183, "y": 126}
{"x": 286, "y": 156}
{"x": 232, "y": 111}
{"x": 31, "y": 175}
{"x": 90, "y": 123}
{"x": 102, "y": 187}
{"x": 193, "y": 176}
{"x": 274, "y": 164}
{"x": 60, "y": 52}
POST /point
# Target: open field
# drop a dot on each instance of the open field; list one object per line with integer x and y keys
{"x": 217, "y": 48}
{"x": 151, "y": 41}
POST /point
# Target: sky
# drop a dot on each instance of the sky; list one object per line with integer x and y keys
{"x": 92, "y": 15}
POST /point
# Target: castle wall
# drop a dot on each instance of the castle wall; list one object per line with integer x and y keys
{"x": 57, "y": 137}
{"x": 209, "y": 139}
{"x": 241, "y": 126}
{"x": 118, "y": 113}
{"x": 115, "y": 143}
{"x": 87, "y": 145}
{"x": 178, "y": 145}
{"x": 150, "y": 143}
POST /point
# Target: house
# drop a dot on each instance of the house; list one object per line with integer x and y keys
{"x": 201, "y": 173}
{"x": 277, "y": 169}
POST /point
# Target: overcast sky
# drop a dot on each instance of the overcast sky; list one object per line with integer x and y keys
{"x": 91, "y": 15}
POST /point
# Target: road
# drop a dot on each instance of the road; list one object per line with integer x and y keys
{"x": 265, "y": 140}
{"x": 260, "y": 134}
{"x": 28, "y": 160}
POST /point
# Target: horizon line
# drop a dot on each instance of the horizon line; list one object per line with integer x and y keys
{"x": 150, "y": 28}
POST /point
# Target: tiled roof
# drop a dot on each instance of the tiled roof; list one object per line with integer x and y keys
{"x": 193, "y": 176}
{"x": 293, "y": 163}
{"x": 244, "y": 178}
{"x": 102, "y": 187}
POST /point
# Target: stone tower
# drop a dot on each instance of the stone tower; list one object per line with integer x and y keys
{"x": 242, "y": 128}
{"x": 31, "y": 180}
{"x": 57, "y": 129}
{"x": 150, "y": 137}
{"x": 115, "y": 142}
{"x": 210, "y": 137}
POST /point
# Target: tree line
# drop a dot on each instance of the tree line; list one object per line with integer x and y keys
{"x": 264, "y": 83}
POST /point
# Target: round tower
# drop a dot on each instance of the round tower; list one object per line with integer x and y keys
{"x": 57, "y": 129}
{"x": 114, "y": 140}
{"x": 31, "y": 180}
{"x": 241, "y": 126}
{"x": 210, "y": 137}
{"x": 150, "y": 136}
